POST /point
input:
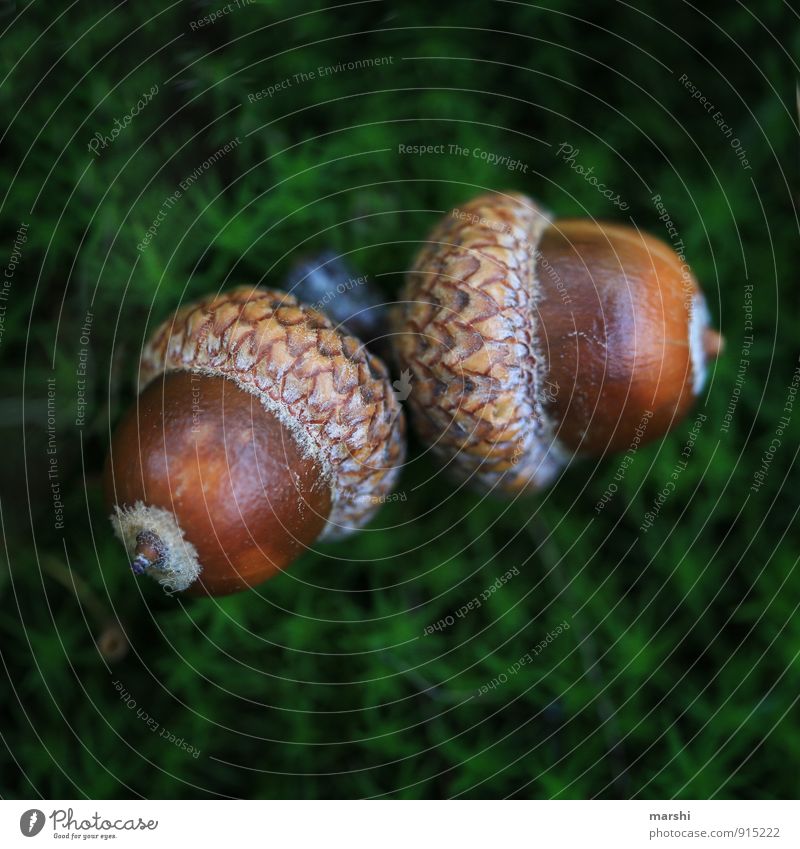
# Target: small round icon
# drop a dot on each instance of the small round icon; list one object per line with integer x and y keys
{"x": 31, "y": 822}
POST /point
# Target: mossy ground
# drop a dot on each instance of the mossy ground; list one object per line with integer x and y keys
{"x": 678, "y": 675}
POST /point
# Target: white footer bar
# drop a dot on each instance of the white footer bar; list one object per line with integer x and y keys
{"x": 402, "y": 825}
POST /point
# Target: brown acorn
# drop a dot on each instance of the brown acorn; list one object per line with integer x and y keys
{"x": 533, "y": 340}
{"x": 259, "y": 430}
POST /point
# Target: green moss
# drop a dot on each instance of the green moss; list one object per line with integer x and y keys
{"x": 674, "y": 678}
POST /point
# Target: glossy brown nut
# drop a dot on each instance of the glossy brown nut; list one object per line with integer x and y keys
{"x": 616, "y": 311}
{"x": 234, "y": 477}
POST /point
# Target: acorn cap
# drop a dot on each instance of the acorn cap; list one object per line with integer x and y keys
{"x": 467, "y": 330}
{"x": 331, "y": 394}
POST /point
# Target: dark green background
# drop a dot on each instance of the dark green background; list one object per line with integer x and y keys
{"x": 679, "y": 675}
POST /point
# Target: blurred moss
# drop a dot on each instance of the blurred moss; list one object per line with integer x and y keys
{"x": 675, "y": 677}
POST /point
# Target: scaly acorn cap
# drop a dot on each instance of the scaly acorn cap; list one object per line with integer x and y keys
{"x": 466, "y": 330}
{"x": 332, "y": 395}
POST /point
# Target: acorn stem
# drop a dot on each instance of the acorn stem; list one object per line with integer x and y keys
{"x": 150, "y": 552}
{"x": 139, "y": 564}
{"x": 157, "y": 545}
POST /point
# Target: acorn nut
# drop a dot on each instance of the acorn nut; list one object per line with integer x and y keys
{"x": 259, "y": 429}
{"x": 532, "y": 340}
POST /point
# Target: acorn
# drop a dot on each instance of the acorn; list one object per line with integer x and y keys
{"x": 260, "y": 429}
{"x": 532, "y": 341}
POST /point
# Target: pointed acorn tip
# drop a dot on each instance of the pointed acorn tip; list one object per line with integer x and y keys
{"x": 713, "y": 343}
